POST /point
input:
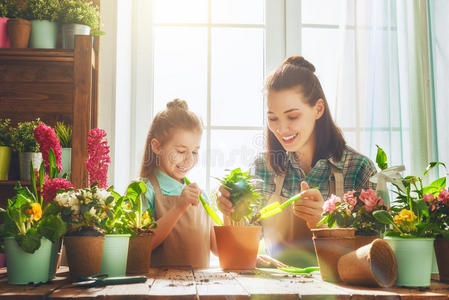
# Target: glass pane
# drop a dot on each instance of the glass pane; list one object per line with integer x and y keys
{"x": 329, "y": 12}
{"x": 237, "y": 76}
{"x": 198, "y": 173}
{"x": 180, "y": 11}
{"x": 238, "y": 12}
{"x": 180, "y": 67}
{"x": 233, "y": 148}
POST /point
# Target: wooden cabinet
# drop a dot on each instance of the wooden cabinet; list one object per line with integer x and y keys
{"x": 54, "y": 85}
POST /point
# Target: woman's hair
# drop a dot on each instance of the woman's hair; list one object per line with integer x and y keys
{"x": 176, "y": 116}
{"x": 296, "y": 72}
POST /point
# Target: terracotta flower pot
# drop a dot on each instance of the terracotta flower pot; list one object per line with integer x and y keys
{"x": 19, "y": 32}
{"x": 84, "y": 255}
{"x": 330, "y": 244}
{"x": 362, "y": 240}
{"x": 4, "y": 37}
{"x": 237, "y": 246}
{"x": 442, "y": 254}
{"x": 373, "y": 264}
{"x": 139, "y": 254}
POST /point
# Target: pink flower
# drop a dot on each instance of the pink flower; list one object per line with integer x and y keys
{"x": 47, "y": 139}
{"x": 351, "y": 199}
{"x": 370, "y": 199}
{"x": 443, "y": 196}
{"x": 52, "y": 186}
{"x": 330, "y": 204}
{"x": 98, "y": 157}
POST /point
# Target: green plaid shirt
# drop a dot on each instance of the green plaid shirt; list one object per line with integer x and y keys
{"x": 357, "y": 169}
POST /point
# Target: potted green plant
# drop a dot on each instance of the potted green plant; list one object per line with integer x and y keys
{"x": 18, "y": 27}
{"x": 5, "y": 149}
{"x": 23, "y": 142}
{"x": 78, "y": 18}
{"x": 238, "y": 243}
{"x": 140, "y": 225}
{"x": 64, "y": 134}
{"x": 116, "y": 244}
{"x": 412, "y": 230}
{"x": 31, "y": 228}
{"x": 8, "y": 9}
{"x": 44, "y": 29}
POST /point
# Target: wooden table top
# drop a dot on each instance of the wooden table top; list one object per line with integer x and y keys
{"x": 216, "y": 284}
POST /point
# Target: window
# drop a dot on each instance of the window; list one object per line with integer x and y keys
{"x": 212, "y": 54}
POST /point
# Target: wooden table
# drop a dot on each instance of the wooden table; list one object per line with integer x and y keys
{"x": 216, "y": 284}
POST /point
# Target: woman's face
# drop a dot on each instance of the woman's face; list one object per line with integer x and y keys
{"x": 291, "y": 119}
{"x": 179, "y": 154}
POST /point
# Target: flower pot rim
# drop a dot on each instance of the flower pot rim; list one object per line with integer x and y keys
{"x": 20, "y": 20}
{"x": 117, "y": 234}
{"x": 75, "y": 24}
{"x": 240, "y": 226}
{"x": 408, "y": 238}
{"x": 339, "y": 229}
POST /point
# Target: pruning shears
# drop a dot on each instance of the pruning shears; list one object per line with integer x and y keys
{"x": 276, "y": 207}
{"x": 99, "y": 280}
{"x": 208, "y": 209}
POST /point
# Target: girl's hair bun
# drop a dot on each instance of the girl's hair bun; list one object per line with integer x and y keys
{"x": 299, "y": 61}
{"x": 178, "y": 104}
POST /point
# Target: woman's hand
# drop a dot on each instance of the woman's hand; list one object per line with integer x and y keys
{"x": 265, "y": 261}
{"x": 190, "y": 196}
{"x": 310, "y": 206}
{"x": 223, "y": 203}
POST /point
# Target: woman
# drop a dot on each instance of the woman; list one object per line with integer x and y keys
{"x": 305, "y": 149}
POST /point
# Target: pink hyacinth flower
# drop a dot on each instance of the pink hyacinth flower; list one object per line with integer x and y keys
{"x": 98, "y": 157}
{"x": 47, "y": 139}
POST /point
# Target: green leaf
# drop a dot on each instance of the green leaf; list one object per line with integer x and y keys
{"x": 383, "y": 217}
{"x": 421, "y": 207}
{"x": 52, "y": 227}
{"x": 392, "y": 233}
{"x": 52, "y": 164}
{"x": 33, "y": 181}
{"x": 381, "y": 158}
{"x": 29, "y": 242}
{"x": 331, "y": 221}
{"x": 432, "y": 165}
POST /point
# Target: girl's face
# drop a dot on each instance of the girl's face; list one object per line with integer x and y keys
{"x": 179, "y": 154}
{"x": 291, "y": 119}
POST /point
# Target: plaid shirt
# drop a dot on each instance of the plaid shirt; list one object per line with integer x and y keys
{"x": 357, "y": 169}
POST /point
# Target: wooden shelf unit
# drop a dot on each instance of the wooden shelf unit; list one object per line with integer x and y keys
{"x": 54, "y": 85}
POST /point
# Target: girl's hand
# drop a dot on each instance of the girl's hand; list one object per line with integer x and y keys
{"x": 310, "y": 206}
{"x": 190, "y": 196}
{"x": 265, "y": 261}
{"x": 223, "y": 203}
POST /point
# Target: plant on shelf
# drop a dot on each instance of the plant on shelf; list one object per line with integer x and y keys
{"x": 64, "y": 134}
{"x": 8, "y": 9}
{"x": 243, "y": 195}
{"x": 42, "y": 10}
{"x": 80, "y": 12}
{"x": 22, "y": 138}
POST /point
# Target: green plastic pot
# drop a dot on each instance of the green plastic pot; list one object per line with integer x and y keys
{"x": 66, "y": 164}
{"x": 24, "y": 267}
{"x": 115, "y": 254}
{"x": 55, "y": 252}
{"x": 5, "y": 160}
{"x": 414, "y": 257}
{"x": 44, "y": 34}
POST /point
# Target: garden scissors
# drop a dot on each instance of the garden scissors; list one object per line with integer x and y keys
{"x": 99, "y": 280}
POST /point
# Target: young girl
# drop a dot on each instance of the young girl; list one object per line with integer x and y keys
{"x": 184, "y": 235}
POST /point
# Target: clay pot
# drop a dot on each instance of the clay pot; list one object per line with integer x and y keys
{"x": 84, "y": 255}
{"x": 237, "y": 246}
{"x": 442, "y": 254}
{"x": 362, "y": 240}
{"x": 139, "y": 254}
{"x": 330, "y": 244}
{"x": 373, "y": 264}
{"x": 19, "y": 32}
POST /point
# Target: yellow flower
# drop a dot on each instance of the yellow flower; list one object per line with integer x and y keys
{"x": 398, "y": 219}
{"x": 35, "y": 211}
{"x": 407, "y": 215}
